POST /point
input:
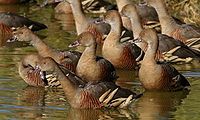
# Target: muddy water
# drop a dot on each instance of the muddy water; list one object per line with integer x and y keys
{"x": 17, "y": 101}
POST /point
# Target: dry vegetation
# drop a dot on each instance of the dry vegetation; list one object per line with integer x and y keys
{"x": 186, "y": 10}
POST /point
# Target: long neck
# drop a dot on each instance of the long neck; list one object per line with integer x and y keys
{"x": 122, "y": 3}
{"x": 42, "y": 48}
{"x": 68, "y": 87}
{"x": 136, "y": 24}
{"x": 168, "y": 24}
{"x": 81, "y": 21}
{"x": 114, "y": 35}
{"x": 89, "y": 54}
{"x": 150, "y": 53}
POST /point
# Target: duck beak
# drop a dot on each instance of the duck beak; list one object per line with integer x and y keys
{"x": 12, "y": 39}
{"x": 74, "y": 44}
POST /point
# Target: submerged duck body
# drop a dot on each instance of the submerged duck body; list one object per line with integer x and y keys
{"x": 85, "y": 95}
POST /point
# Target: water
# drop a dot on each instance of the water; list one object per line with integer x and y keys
{"x": 17, "y": 101}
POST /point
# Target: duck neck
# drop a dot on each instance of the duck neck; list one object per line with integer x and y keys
{"x": 81, "y": 21}
{"x": 136, "y": 24}
{"x": 150, "y": 53}
{"x": 89, "y": 54}
{"x": 114, "y": 35}
{"x": 122, "y": 3}
{"x": 168, "y": 24}
{"x": 69, "y": 88}
{"x": 41, "y": 47}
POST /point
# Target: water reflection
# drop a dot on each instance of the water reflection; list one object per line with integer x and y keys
{"x": 159, "y": 105}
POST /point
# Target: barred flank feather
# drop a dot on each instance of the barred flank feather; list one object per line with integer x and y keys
{"x": 127, "y": 59}
{"x": 89, "y": 101}
{"x": 5, "y": 33}
{"x": 34, "y": 78}
{"x": 177, "y": 35}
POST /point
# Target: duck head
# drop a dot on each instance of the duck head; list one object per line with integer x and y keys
{"x": 23, "y": 34}
{"x": 85, "y": 39}
{"x": 112, "y": 17}
{"x": 149, "y": 36}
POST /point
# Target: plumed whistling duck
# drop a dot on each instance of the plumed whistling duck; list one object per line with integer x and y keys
{"x": 147, "y": 14}
{"x": 154, "y": 76}
{"x": 183, "y": 32}
{"x": 122, "y": 55}
{"x": 166, "y": 43}
{"x": 88, "y": 95}
{"x": 90, "y": 66}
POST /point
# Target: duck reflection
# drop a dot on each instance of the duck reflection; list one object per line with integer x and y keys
{"x": 39, "y": 98}
{"x": 33, "y": 96}
{"x": 105, "y": 114}
{"x": 157, "y": 105}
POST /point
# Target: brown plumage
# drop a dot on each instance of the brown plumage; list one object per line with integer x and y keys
{"x": 91, "y": 67}
{"x": 82, "y": 95}
{"x": 29, "y": 73}
{"x": 166, "y": 43}
{"x": 154, "y": 76}
{"x": 182, "y": 32}
{"x": 66, "y": 58}
{"x": 84, "y": 24}
{"x": 121, "y": 55}
{"x": 146, "y": 13}
{"x": 5, "y": 33}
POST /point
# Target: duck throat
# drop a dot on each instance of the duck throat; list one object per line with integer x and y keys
{"x": 81, "y": 21}
{"x": 89, "y": 54}
{"x": 136, "y": 24}
{"x": 41, "y": 47}
{"x": 69, "y": 88}
{"x": 150, "y": 53}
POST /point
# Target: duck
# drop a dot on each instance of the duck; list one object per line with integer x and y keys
{"x": 123, "y": 55}
{"x": 158, "y": 76}
{"x": 91, "y": 67}
{"x": 33, "y": 76}
{"x": 13, "y": 1}
{"x": 14, "y": 21}
{"x": 5, "y": 34}
{"x": 167, "y": 45}
{"x": 89, "y": 95}
{"x": 186, "y": 33}
{"x": 147, "y": 14}
{"x": 67, "y": 58}
{"x": 83, "y": 23}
